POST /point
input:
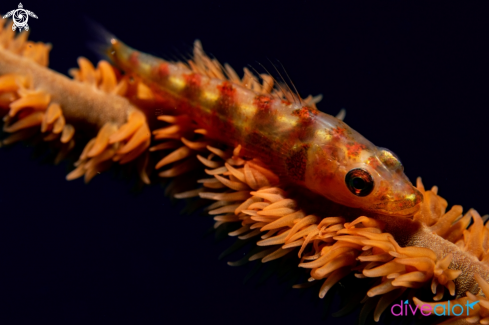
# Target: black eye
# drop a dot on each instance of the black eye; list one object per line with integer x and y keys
{"x": 359, "y": 182}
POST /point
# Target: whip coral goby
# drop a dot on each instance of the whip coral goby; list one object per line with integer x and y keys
{"x": 294, "y": 180}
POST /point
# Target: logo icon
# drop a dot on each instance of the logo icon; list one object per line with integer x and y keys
{"x": 20, "y": 17}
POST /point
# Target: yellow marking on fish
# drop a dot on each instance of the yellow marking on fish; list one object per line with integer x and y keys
{"x": 248, "y": 109}
{"x": 410, "y": 197}
{"x": 291, "y": 120}
{"x": 177, "y": 82}
{"x": 323, "y": 135}
{"x": 210, "y": 96}
{"x": 145, "y": 68}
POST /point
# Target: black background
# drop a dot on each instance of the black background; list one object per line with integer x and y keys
{"x": 412, "y": 77}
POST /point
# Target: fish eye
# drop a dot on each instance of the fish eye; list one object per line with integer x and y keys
{"x": 359, "y": 182}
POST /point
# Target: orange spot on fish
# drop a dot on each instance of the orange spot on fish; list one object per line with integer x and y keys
{"x": 192, "y": 86}
{"x": 134, "y": 58}
{"x": 226, "y": 99}
{"x": 305, "y": 114}
{"x": 192, "y": 79}
{"x": 262, "y": 102}
{"x": 226, "y": 89}
{"x": 338, "y": 133}
{"x": 355, "y": 149}
{"x": 162, "y": 71}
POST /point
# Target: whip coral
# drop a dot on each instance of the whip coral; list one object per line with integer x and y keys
{"x": 111, "y": 114}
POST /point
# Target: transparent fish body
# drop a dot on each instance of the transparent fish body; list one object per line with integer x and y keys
{"x": 301, "y": 144}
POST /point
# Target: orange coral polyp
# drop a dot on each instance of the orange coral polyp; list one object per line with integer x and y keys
{"x": 90, "y": 103}
{"x": 398, "y": 267}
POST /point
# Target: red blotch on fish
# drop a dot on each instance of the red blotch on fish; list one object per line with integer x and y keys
{"x": 162, "y": 71}
{"x": 355, "y": 149}
{"x": 306, "y": 115}
{"x": 262, "y": 102}
{"x": 338, "y": 133}
{"x": 134, "y": 58}
{"x": 226, "y": 89}
{"x": 192, "y": 85}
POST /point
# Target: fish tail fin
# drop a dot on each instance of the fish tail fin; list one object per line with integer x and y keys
{"x": 101, "y": 39}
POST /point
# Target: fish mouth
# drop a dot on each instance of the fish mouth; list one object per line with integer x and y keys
{"x": 408, "y": 212}
{"x": 405, "y": 207}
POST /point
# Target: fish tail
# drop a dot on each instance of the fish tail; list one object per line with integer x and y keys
{"x": 100, "y": 39}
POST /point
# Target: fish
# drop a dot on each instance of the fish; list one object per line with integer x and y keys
{"x": 278, "y": 127}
